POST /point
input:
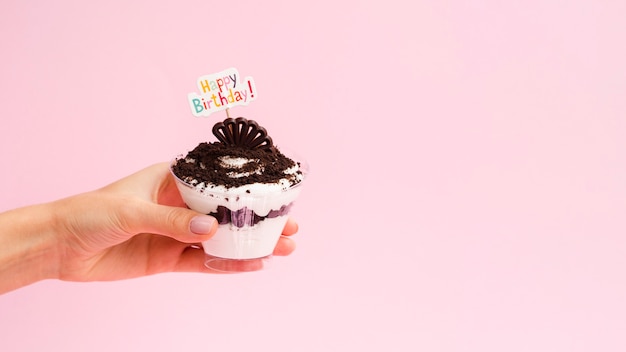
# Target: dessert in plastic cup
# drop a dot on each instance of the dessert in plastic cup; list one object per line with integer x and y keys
{"x": 248, "y": 185}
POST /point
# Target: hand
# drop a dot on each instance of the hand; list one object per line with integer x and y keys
{"x": 134, "y": 227}
{"x": 138, "y": 226}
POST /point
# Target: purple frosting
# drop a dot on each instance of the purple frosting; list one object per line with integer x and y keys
{"x": 245, "y": 216}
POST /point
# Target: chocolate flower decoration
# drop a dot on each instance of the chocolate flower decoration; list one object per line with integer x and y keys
{"x": 243, "y": 133}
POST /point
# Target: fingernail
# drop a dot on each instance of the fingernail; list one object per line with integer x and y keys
{"x": 202, "y": 224}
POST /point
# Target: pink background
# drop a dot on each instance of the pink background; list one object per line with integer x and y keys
{"x": 468, "y": 161}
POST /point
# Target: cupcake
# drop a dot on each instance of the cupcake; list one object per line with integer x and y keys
{"x": 247, "y": 184}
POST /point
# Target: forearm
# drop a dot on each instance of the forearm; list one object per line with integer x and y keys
{"x": 28, "y": 246}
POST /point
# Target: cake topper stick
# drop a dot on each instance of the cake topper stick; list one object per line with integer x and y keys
{"x": 227, "y": 113}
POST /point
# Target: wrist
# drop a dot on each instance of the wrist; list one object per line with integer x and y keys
{"x": 30, "y": 246}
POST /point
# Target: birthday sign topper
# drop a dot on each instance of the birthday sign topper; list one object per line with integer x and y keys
{"x": 220, "y": 91}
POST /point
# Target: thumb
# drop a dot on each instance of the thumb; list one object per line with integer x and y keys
{"x": 182, "y": 224}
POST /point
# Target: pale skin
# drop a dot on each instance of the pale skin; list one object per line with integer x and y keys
{"x": 134, "y": 227}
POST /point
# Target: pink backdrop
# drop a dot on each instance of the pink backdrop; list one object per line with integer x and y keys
{"x": 468, "y": 161}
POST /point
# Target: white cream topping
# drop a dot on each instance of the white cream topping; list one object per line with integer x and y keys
{"x": 229, "y": 162}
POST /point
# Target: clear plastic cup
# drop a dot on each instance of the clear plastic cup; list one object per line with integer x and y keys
{"x": 249, "y": 225}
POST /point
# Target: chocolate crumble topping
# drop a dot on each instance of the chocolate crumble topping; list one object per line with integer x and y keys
{"x": 206, "y": 163}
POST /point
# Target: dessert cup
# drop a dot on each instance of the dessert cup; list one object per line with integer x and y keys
{"x": 250, "y": 224}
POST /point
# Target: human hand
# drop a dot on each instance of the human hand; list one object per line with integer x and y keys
{"x": 134, "y": 227}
